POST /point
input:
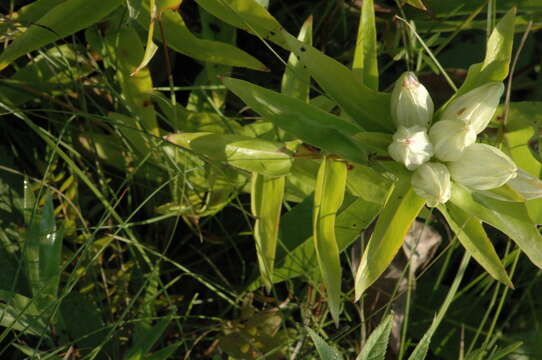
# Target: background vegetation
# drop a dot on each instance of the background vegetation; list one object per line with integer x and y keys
{"x": 120, "y": 241}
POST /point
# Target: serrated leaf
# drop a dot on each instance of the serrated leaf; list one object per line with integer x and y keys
{"x": 377, "y": 343}
{"x": 266, "y": 202}
{"x": 325, "y": 351}
{"x": 328, "y": 198}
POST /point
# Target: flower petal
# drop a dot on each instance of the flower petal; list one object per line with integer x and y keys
{"x": 411, "y": 103}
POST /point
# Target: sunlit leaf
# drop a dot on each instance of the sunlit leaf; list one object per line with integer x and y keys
{"x": 365, "y": 53}
{"x": 376, "y": 345}
{"x": 266, "y": 199}
{"x": 328, "y": 198}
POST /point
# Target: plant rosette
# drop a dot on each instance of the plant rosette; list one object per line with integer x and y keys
{"x": 447, "y": 151}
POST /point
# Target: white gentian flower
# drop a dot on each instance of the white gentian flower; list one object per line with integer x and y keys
{"x": 483, "y": 167}
{"x": 450, "y": 138}
{"x": 476, "y": 107}
{"x": 411, "y": 104}
{"x": 411, "y": 146}
{"x": 432, "y": 182}
{"x": 528, "y": 186}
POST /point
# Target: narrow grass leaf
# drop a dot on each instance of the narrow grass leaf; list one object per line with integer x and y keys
{"x": 145, "y": 337}
{"x": 366, "y": 107}
{"x": 62, "y": 20}
{"x": 266, "y": 202}
{"x": 420, "y": 351}
{"x": 150, "y": 47}
{"x": 509, "y": 217}
{"x": 296, "y": 81}
{"x": 365, "y": 53}
{"x": 325, "y": 351}
{"x": 377, "y": 343}
{"x": 251, "y": 154}
{"x": 473, "y": 237}
{"x": 328, "y": 198}
{"x": 388, "y": 236}
{"x": 305, "y": 121}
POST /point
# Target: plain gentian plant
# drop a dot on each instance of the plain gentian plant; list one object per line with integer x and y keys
{"x": 447, "y": 150}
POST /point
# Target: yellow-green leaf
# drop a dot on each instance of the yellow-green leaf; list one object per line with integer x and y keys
{"x": 390, "y": 230}
{"x": 473, "y": 237}
{"x": 328, "y": 198}
{"x": 254, "y": 155}
{"x": 365, "y": 53}
{"x": 266, "y": 200}
{"x": 296, "y": 81}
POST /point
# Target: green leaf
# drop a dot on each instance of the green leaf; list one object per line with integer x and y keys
{"x": 417, "y": 4}
{"x": 420, "y": 351}
{"x": 305, "y": 121}
{"x": 266, "y": 200}
{"x": 180, "y": 39}
{"x": 62, "y": 20}
{"x": 365, "y": 53}
{"x": 296, "y": 81}
{"x": 246, "y": 15}
{"x": 388, "y": 236}
{"x": 254, "y": 155}
{"x": 125, "y": 51}
{"x": 473, "y": 237}
{"x": 21, "y": 313}
{"x": 326, "y": 351}
{"x": 377, "y": 344}
{"x": 296, "y": 254}
{"x": 509, "y": 217}
{"x": 497, "y": 59}
{"x": 165, "y": 353}
{"x": 145, "y": 337}
{"x": 328, "y": 198}
{"x": 42, "y": 255}
{"x": 366, "y": 107}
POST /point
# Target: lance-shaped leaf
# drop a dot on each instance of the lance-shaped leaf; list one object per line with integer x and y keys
{"x": 310, "y": 124}
{"x": 497, "y": 59}
{"x": 366, "y": 107}
{"x": 365, "y": 53}
{"x": 473, "y": 237}
{"x": 509, "y": 217}
{"x": 62, "y": 20}
{"x": 255, "y": 155}
{"x": 328, "y": 198}
{"x": 247, "y": 15}
{"x": 325, "y": 350}
{"x": 180, "y": 39}
{"x": 390, "y": 231}
{"x": 266, "y": 202}
{"x": 296, "y": 81}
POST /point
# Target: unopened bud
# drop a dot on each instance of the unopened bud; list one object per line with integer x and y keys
{"x": 483, "y": 167}
{"x": 411, "y": 146}
{"x": 432, "y": 182}
{"x": 450, "y": 138}
{"x": 476, "y": 107}
{"x": 410, "y": 102}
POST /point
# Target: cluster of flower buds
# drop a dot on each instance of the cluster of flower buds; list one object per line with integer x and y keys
{"x": 447, "y": 150}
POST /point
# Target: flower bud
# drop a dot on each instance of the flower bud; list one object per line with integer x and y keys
{"x": 483, "y": 167}
{"x": 476, "y": 107}
{"x": 450, "y": 138}
{"x": 410, "y": 102}
{"x": 528, "y": 186}
{"x": 432, "y": 182}
{"x": 410, "y": 146}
